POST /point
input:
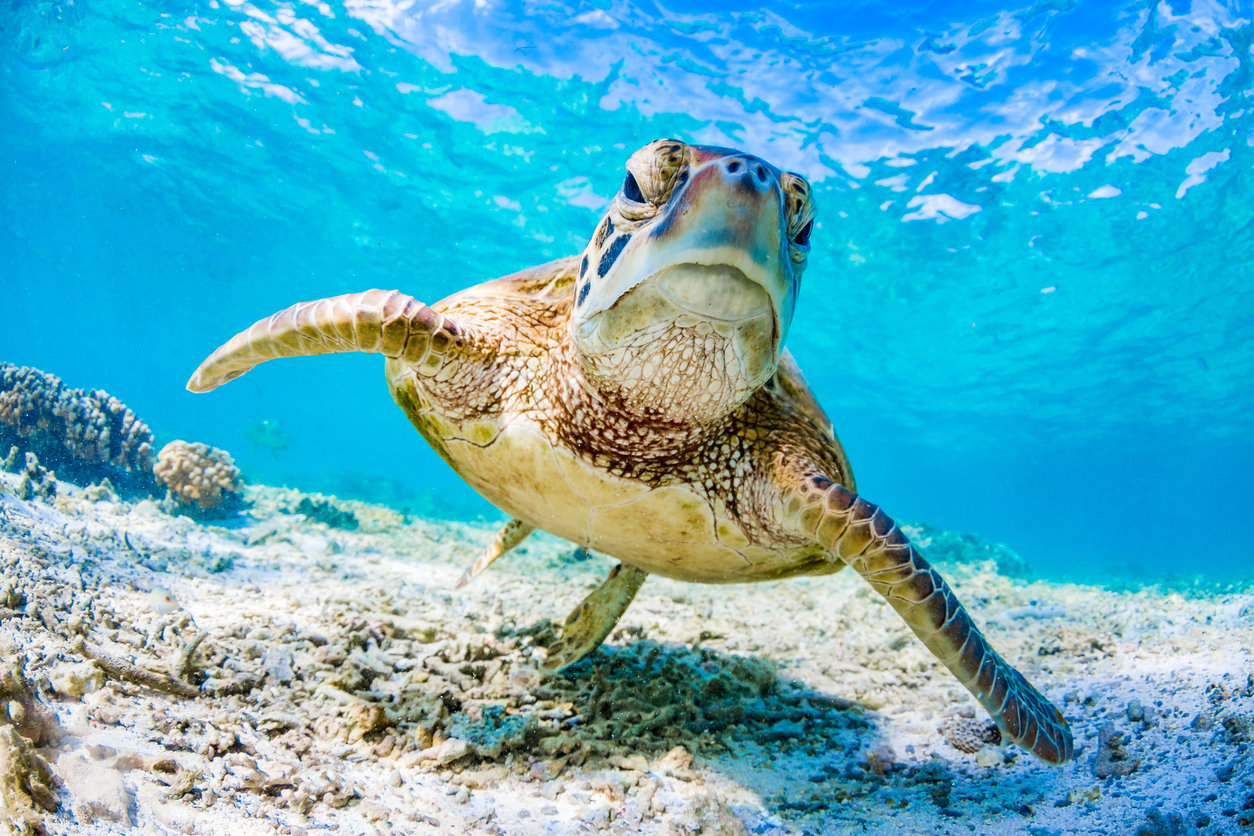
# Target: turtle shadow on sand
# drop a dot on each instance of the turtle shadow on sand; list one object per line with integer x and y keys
{"x": 649, "y": 697}
{"x": 652, "y": 705}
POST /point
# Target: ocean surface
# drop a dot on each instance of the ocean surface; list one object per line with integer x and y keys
{"x": 1029, "y": 309}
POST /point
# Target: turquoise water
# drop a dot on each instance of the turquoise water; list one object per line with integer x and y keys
{"x": 1029, "y": 310}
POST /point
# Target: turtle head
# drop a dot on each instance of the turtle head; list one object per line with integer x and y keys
{"x": 687, "y": 288}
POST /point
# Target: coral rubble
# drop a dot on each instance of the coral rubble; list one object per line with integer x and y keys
{"x": 22, "y": 709}
{"x": 26, "y": 782}
{"x": 332, "y": 676}
{"x": 970, "y": 736}
{"x": 323, "y": 511}
{"x": 36, "y": 480}
{"x": 25, "y": 785}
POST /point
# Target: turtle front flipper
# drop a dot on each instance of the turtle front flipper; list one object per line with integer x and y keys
{"x": 513, "y": 533}
{"x": 590, "y": 622}
{"x": 863, "y": 536}
{"x": 375, "y": 321}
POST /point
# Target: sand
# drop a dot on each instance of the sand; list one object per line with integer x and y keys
{"x": 277, "y": 673}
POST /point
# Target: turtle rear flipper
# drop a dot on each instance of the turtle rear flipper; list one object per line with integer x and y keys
{"x": 513, "y": 533}
{"x": 590, "y": 622}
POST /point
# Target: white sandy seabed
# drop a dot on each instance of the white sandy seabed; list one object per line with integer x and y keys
{"x": 330, "y": 679}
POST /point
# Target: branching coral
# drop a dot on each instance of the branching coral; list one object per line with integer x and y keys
{"x": 89, "y": 436}
{"x": 72, "y": 430}
{"x": 198, "y": 474}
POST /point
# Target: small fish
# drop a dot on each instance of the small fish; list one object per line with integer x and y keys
{"x": 161, "y": 601}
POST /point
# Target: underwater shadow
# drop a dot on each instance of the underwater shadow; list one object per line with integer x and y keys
{"x": 650, "y": 696}
{"x": 812, "y": 758}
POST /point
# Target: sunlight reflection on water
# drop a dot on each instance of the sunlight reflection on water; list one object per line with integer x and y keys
{"x": 1032, "y": 263}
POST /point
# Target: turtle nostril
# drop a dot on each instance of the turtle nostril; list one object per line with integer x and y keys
{"x": 733, "y": 166}
{"x": 760, "y": 172}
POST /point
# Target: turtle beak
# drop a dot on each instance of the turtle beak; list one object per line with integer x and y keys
{"x": 720, "y": 249}
{"x": 681, "y": 309}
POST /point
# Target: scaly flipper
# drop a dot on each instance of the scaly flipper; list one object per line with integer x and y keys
{"x": 864, "y": 537}
{"x": 514, "y": 532}
{"x": 590, "y": 622}
{"x": 375, "y": 321}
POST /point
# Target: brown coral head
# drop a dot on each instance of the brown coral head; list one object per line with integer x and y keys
{"x": 71, "y": 427}
{"x": 197, "y": 474}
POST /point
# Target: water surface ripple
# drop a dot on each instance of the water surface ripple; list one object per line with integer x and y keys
{"x": 1029, "y": 309}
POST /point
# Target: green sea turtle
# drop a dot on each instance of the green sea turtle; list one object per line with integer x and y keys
{"x": 637, "y": 399}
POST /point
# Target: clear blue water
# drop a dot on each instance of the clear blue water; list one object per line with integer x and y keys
{"x": 1030, "y": 309}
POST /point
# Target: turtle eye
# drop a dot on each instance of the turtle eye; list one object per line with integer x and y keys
{"x": 631, "y": 189}
{"x": 802, "y": 238}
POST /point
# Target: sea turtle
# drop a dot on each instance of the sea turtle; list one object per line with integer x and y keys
{"x": 637, "y": 399}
